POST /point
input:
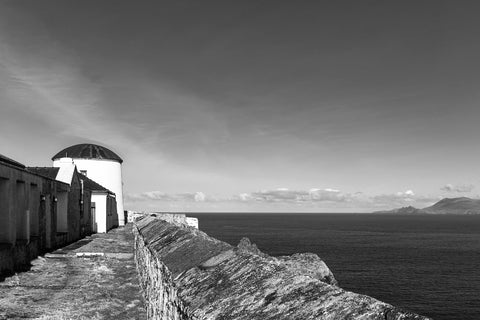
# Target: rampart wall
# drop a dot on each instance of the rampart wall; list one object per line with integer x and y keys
{"x": 159, "y": 291}
{"x": 185, "y": 274}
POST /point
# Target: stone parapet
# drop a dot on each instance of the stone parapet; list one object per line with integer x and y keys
{"x": 185, "y": 274}
{"x": 159, "y": 292}
{"x": 175, "y": 218}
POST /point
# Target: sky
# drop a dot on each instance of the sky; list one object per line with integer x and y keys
{"x": 251, "y": 106}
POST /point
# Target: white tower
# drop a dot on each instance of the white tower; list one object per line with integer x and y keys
{"x": 99, "y": 164}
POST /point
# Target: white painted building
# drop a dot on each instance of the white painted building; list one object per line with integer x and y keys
{"x": 99, "y": 164}
{"x": 103, "y": 205}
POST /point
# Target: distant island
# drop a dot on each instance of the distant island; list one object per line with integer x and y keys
{"x": 459, "y": 206}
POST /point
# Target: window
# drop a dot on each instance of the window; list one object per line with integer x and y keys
{"x": 84, "y": 172}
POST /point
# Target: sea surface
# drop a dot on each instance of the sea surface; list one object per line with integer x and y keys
{"x": 428, "y": 264}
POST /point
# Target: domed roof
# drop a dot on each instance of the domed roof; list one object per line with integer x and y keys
{"x": 87, "y": 151}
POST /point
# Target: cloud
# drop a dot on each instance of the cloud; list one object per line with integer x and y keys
{"x": 276, "y": 195}
{"x": 327, "y": 195}
{"x": 300, "y": 196}
{"x": 162, "y": 196}
{"x": 48, "y": 85}
{"x": 281, "y": 194}
{"x": 199, "y": 197}
{"x": 244, "y": 197}
{"x": 402, "y": 198}
{"x": 314, "y": 199}
{"x": 460, "y": 188}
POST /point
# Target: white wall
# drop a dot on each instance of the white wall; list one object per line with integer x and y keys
{"x": 100, "y": 211}
{"x": 192, "y": 222}
{"x": 107, "y": 173}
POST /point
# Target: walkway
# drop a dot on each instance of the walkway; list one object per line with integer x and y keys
{"x": 94, "y": 278}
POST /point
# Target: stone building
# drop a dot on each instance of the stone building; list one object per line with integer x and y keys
{"x": 28, "y": 214}
{"x": 44, "y": 208}
{"x": 74, "y": 219}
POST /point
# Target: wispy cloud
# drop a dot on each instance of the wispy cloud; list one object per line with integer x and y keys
{"x": 284, "y": 194}
{"x": 280, "y": 194}
{"x": 276, "y": 195}
{"x": 284, "y": 199}
{"x": 403, "y": 198}
{"x": 460, "y": 188}
{"x": 162, "y": 196}
{"x": 212, "y": 114}
{"x": 57, "y": 94}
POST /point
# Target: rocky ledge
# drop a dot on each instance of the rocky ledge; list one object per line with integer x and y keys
{"x": 186, "y": 274}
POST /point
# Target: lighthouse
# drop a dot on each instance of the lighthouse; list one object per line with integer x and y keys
{"x": 99, "y": 164}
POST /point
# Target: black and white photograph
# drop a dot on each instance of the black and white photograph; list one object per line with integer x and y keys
{"x": 240, "y": 159}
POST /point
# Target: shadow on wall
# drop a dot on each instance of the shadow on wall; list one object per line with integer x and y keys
{"x": 36, "y": 215}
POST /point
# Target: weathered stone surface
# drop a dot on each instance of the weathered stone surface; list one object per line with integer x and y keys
{"x": 188, "y": 275}
{"x": 311, "y": 264}
{"x": 246, "y": 246}
{"x": 62, "y": 285}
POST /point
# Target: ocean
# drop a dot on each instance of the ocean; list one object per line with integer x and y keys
{"x": 428, "y": 264}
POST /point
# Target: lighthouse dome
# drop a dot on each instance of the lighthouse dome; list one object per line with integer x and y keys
{"x": 87, "y": 151}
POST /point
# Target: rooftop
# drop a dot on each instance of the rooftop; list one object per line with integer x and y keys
{"x": 88, "y": 151}
{"x": 7, "y": 160}
{"x": 92, "y": 185}
{"x": 48, "y": 172}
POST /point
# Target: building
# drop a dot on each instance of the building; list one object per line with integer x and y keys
{"x": 99, "y": 164}
{"x": 44, "y": 208}
{"x": 29, "y": 222}
{"x": 103, "y": 205}
{"x": 74, "y": 207}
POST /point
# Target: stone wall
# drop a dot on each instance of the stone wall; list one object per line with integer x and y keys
{"x": 185, "y": 274}
{"x": 176, "y": 218}
{"x": 161, "y": 299}
{"x": 28, "y": 217}
{"x": 17, "y": 257}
